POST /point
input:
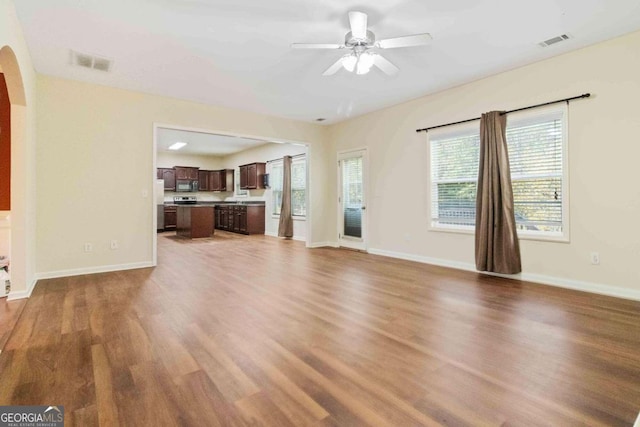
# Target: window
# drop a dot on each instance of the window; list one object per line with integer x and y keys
{"x": 537, "y": 145}
{"x": 298, "y": 186}
{"x": 239, "y": 191}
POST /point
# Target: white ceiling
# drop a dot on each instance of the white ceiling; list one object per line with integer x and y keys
{"x": 203, "y": 143}
{"x": 236, "y": 53}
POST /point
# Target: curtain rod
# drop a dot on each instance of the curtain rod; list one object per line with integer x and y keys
{"x": 293, "y": 157}
{"x": 584, "y": 95}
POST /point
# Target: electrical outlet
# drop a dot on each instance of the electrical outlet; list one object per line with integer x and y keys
{"x": 88, "y": 247}
{"x": 145, "y": 194}
{"x": 114, "y": 245}
{"x": 595, "y": 258}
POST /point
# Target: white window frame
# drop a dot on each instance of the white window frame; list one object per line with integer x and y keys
{"x": 301, "y": 159}
{"x": 527, "y": 115}
{"x": 237, "y": 191}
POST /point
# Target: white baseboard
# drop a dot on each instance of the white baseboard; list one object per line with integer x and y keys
{"x": 595, "y": 288}
{"x": 323, "y": 245}
{"x": 298, "y": 238}
{"x": 14, "y": 295}
{"x": 93, "y": 270}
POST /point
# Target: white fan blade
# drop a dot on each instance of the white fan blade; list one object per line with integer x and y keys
{"x": 358, "y": 23}
{"x": 406, "y": 41}
{"x": 334, "y": 68}
{"x": 316, "y": 46}
{"x": 384, "y": 64}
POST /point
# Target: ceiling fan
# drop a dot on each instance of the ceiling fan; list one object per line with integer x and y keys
{"x": 360, "y": 42}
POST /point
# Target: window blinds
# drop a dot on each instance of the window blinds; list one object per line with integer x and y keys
{"x": 298, "y": 186}
{"x": 535, "y": 144}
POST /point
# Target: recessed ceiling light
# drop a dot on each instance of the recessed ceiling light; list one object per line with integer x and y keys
{"x": 177, "y": 145}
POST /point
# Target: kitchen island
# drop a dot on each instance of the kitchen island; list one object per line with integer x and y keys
{"x": 195, "y": 221}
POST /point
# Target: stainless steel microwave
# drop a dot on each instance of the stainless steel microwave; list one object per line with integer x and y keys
{"x": 187, "y": 185}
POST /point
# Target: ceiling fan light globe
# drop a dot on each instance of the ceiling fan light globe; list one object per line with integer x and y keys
{"x": 362, "y": 69}
{"x": 365, "y": 62}
{"x": 349, "y": 62}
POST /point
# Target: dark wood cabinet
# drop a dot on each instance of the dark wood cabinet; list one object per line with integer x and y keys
{"x": 221, "y": 180}
{"x": 204, "y": 181}
{"x": 186, "y": 172}
{"x": 222, "y": 217}
{"x": 254, "y": 219}
{"x": 169, "y": 177}
{"x": 243, "y": 177}
{"x": 195, "y": 221}
{"x": 214, "y": 181}
{"x": 170, "y": 217}
{"x": 240, "y": 218}
{"x": 252, "y": 175}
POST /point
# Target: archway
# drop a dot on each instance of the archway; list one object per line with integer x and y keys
{"x": 13, "y": 212}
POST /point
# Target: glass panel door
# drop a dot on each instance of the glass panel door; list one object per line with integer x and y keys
{"x": 352, "y": 200}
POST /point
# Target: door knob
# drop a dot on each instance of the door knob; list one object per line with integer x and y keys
{"x": 363, "y": 208}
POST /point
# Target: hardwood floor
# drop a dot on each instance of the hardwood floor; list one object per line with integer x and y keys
{"x": 9, "y": 313}
{"x": 251, "y": 330}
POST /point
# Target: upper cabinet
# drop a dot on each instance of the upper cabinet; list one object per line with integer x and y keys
{"x": 183, "y": 172}
{"x": 169, "y": 177}
{"x": 221, "y": 180}
{"x": 251, "y": 176}
{"x": 218, "y": 180}
{"x": 204, "y": 181}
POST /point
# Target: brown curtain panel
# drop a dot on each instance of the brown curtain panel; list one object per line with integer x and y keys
{"x": 497, "y": 246}
{"x": 285, "y": 228}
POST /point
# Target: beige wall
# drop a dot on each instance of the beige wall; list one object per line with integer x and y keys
{"x": 23, "y": 149}
{"x": 603, "y": 165}
{"x": 95, "y": 158}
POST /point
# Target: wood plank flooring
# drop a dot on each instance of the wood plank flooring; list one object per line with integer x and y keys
{"x": 251, "y": 330}
{"x": 9, "y": 314}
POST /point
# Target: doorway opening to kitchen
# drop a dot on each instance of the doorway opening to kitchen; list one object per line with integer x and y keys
{"x": 5, "y": 184}
{"x": 240, "y": 176}
{"x": 13, "y": 194}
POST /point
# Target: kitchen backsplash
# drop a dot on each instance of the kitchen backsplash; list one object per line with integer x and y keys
{"x": 207, "y": 196}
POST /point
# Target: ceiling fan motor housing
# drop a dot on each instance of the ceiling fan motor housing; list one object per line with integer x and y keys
{"x": 351, "y": 41}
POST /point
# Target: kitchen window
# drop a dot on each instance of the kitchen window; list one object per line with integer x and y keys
{"x": 537, "y": 144}
{"x": 298, "y": 186}
{"x": 239, "y": 192}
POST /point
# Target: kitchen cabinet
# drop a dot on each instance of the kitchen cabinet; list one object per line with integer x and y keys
{"x": 221, "y": 180}
{"x": 214, "y": 181}
{"x": 244, "y": 219}
{"x": 222, "y": 217}
{"x": 195, "y": 221}
{"x": 185, "y": 172}
{"x": 170, "y": 217}
{"x": 204, "y": 180}
{"x": 168, "y": 175}
{"x": 252, "y": 175}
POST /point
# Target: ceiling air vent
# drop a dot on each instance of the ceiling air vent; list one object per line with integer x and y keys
{"x": 90, "y": 61}
{"x": 554, "y": 40}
